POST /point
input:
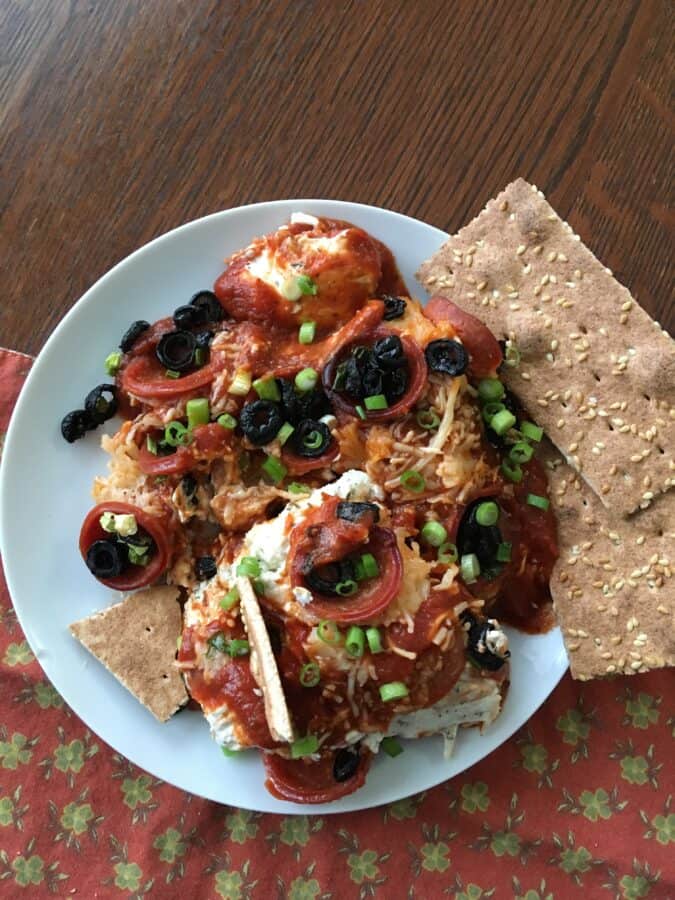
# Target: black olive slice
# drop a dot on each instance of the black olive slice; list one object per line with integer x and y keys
{"x": 389, "y": 352}
{"x": 208, "y": 303}
{"x": 176, "y": 350}
{"x": 205, "y": 567}
{"x": 394, "y": 307}
{"x": 188, "y": 316}
{"x": 477, "y": 646}
{"x": 99, "y": 407}
{"x": 371, "y": 379}
{"x": 446, "y": 356}
{"x": 133, "y": 332}
{"x": 76, "y": 424}
{"x": 395, "y": 384}
{"x": 311, "y": 438}
{"x": 295, "y": 407}
{"x": 324, "y": 579}
{"x": 346, "y": 763}
{"x": 260, "y": 421}
{"x": 106, "y": 559}
{"x": 352, "y": 512}
{"x": 483, "y": 540}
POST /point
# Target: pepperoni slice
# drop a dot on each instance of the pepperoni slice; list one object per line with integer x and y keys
{"x": 312, "y": 781}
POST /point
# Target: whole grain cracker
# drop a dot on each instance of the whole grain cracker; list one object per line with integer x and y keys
{"x": 596, "y": 371}
{"x": 136, "y": 641}
{"x": 613, "y": 585}
{"x": 264, "y": 665}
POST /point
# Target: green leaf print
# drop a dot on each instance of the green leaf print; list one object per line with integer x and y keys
{"x": 76, "y": 818}
{"x": 635, "y": 769}
{"x": 475, "y": 797}
{"x": 46, "y": 695}
{"x": 574, "y": 726}
{"x": 16, "y": 752}
{"x": 295, "y": 830}
{"x": 664, "y": 826}
{"x": 170, "y": 845}
{"x": 403, "y": 809}
{"x": 304, "y": 889}
{"x": 535, "y": 757}
{"x": 575, "y": 860}
{"x": 69, "y": 757}
{"x": 228, "y": 885}
{"x": 6, "y": 811}
{"x": 128, "y": 876}
{"x": 633, "y": 887}
{"x": 363, "y": 866}
{"x": 435, "y": 857}
{"x": 595, "y": 804}
{"x": 18, "y": 654}
{"x": 241, "y": 826}
{"x": 136, "y": 791}
{"x": 472, "y": 892}
{"x": 642, "y": 710}
{"x": 28, "y": 871}
{"x": 505, "y": 842}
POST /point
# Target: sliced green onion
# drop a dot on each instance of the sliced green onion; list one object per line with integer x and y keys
{"x": 511, "y": 355}
{"x": 504, "y": 552}
{"x": 434, "y": 534}
{"x": 307, "y": 285}
{"x": 249, "y": 566}
{"x": 200, "y": 356}
{"x": 490, "y": 410}
{"x": 539, "y": 502}
{"x": 312, "y": 440}
{"x": 310, "y": 674}
{"x": 469, "y": 567}
{"x": 391, "y": 747}
{"x": 307, "y": 332}
{"x": 340, "y": 375}
{"x": 304, "y": 746}
{"x": 238, "y": 647}
{"x": 198, "y": 412}
{"x": 258, "y": 586}
{"x": 502, "y": 421}
{"x": 267, "y": 389}
{"x": 151, "y": 444}
{"x": 284, "y": 433}
{"x": 487, "y": 513}
{"x": 329, "y": 633}
{"x": 490, "y": 389}
{"x": 359, "y": 571}
{"x": 346, "y": 588}
{"x": 176, "y": 435}
{"x": 374, "y": 639}
{"x": 230, "y": 598}
{"x": 241, "y": 383}
{"x": 370, "y": 566}
{"x": 413, "y": 481}
{"x": 138, "y": 556}
{"x": 393, "y": 690}
{"x": 512, "y": 471}
{"x": 447, "y": 553}
{"x": 428, "y": 419}
{"x": 360, "y": 412}
{"x": 171, "y": 373}
{"x": 355, "y": 641}
{"x": 521, "y": 453}
{"x": 227, "y": 421}
{"x": 532, "y": 432}
{"x": 112, "y": 362}
{"x": 296, "y": 487}
{"x": 306, "y": 380}
{"x": 275, "y": 470}
{"x": 377, "y": 401}
{"x": 227, "y": 752}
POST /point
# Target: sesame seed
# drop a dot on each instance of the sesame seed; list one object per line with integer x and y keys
{"x": 610, "y": 668}
{"x": 538, "y": 249}
{"x": 527, "y": 268}
{"x": 481, "y": 286}
{"x": 573, "y": 647}
{"x": 606, "y": 655}
{"x": 504, "y": 205}
{"x": 627, "y": 306}
{"x": 623, "y": 318}
{"x": 560, "y": 423}
{"x": 552, "y": 256}
{"x": 526, "y": 376}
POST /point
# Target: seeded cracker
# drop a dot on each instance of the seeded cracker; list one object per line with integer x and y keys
{"x": 596, "y": 371}
{"x": 613, "y": 585}
{"x": 136, "y": 641}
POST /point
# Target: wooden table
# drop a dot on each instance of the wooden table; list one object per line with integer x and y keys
{"x": 120, "y": 120}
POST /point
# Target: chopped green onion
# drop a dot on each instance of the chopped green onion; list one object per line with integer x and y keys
{"x": 393, "y": 690}
{"x": 307, "y": 332}
{"x": 340, "y": 376}
{"x": 377, "y": 401}
{"x": 434, "y": 534}
{"x": 428, "y": 419}
{"x": 241, "y": 383}
{"x": 346, "y": 588}
{"x": 267, "y": 389}
{"x": 200, "y": 356}
{"x": 374, "y": 639}
{"x": 490, "y": 410}
{"x": 312, "y": 440}
{"x": 391, "y": 747}
{"x": 285, "y": 432}
{"x": 370, "y": 566}
{"x": 504, "y": 552}
{"x": 360, "y": 412}
{"x": 487, "y": 513}
{"x": 306, "y": 380}
{"x": 512, "y": 471}
{"x": 502, "y": 421}
{"x": 521, "y": 453}
{"x": 238, "y": 647}
{"x": 329, "y": 633}
{"x": 249, "y": 566}
{"x": 124, "y": 524}
{"x": 490, "y": 389}
{"x": 532, "y": 432}
{"x": 539, "y": 502}
{"x": 413, "y": 481}
{"x": 112, "y": 362}
{"x": 274, "y": 469}
{"x": 227, "y": 421}
{"x": 138, "y": 556}
{"x": 227, "y": 752}
{"x": 304, "y": 746}
{"x": 469, "y": 567}
{"x": 171, "y": 373}
{"x": 230, "y": 598}
{"x": 151, "y": 444}
{"x": 310, "y": 674}
{"x": 447, "y": 553}
{"x": 307, "y": 285}
{"x": 198, "y": 412}
{"x": 176, "y": 435}
{"x": 258, "y": 586}
{"x": 356, "y": 641}
{"x": 359, "y": 571}
{"x": 295, "y": 487}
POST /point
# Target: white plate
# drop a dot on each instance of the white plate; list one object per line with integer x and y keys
{"x": 45, "y": 492}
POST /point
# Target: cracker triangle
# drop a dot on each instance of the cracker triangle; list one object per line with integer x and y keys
{"x": 136, "y": 641}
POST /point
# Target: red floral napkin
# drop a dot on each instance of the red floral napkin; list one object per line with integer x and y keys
{"x": 576, "y": 804}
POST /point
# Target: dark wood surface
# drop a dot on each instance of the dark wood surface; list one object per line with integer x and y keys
{"x": 121, "y": 119}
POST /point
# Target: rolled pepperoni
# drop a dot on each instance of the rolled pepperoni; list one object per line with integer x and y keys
{"x": 483, "y": 347}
